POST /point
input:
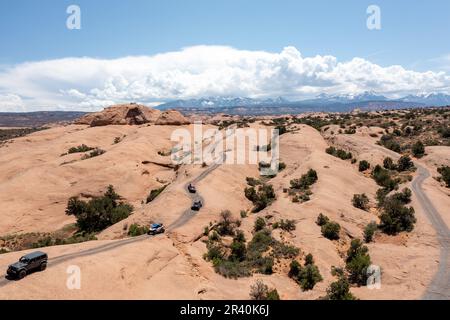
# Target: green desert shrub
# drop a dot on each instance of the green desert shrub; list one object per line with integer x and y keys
{"x": 360, "y": 201}
{"x": 404, "y": 196}
{"x": 389, "y": 164}
{"x": 395, "y": 216}
{"x": 286, "y": 225}
{"x": 227, "y": 224}
{"x": 299, "y": 189}
{"x": 155, "y": 193}
{"x": 418, "y": 149}
{"x": 383, "y": 178}
{"x": 339, "y": 153}
{"x": 252, "y": 181}
{"x": 404, "y": 163}
{"x": 281, "y": 129}
{"x": 357, "y": 262}
{"x": 215, "y": 252}
{"x": 369, "y": 231}
{"x": 306, "y": 276}
{"x": 238, "y": 247}
{"x": 305, "y": 180}
{"x": 364, "y": 165}
{"x": 260, "y": 224}
{"x": 98, "y": 213}
{"x": 330, "y": 230}
{"x": 50, "y": 240}
{"x": 80, "y": 148}
{"x": 444, "y": 171}
{"x": 309, "y": 259}
{"x": 309, "y": 276}
{"x": 282, "y": 250}
{"x": 389, "y": 142}
{"x": 281, "y": 166}
{"x": 94, "y": 153}
{"x": 322, "y": 219}
{"x": 295, "y": 268}
{"x": 137, "y": 230}
{"x": 214, "y": 236}
{"x": 381, "y": 196}
{"x": 331, "y": 150}
{"x": 339, "y": 290}
{"x": 261, "y": 197}
{"x": 273, "y": 295}
{"x": 241, "y": 260}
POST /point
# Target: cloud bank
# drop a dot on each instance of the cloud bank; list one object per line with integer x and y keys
{"x": 88, "y": 84}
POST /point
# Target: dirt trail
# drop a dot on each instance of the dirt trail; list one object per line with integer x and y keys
{"x": 439, "y": 288}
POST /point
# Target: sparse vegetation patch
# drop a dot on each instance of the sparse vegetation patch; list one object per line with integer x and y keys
{"x": 98, "y": 213}
{"x": 444, "y": 171}
{"x": 155, "y": 193}
{"x": 242, "y": 258}
{"x": 307, "y": 275}
{"x": 339, "y": 153}
{"x": 260, "y": 195}
{"x": 329, "y": 229}
{"x": 300, "y": 188}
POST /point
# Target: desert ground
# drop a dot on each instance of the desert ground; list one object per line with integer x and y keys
{"x": 37, "y": 177}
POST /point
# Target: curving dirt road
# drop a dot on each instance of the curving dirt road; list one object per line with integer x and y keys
{"x": 188, "y": 214}
{"x": 439, "y": 288}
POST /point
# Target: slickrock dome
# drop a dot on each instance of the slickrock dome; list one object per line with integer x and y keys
{"x": 124, "y": 114}
{"x": 172, "y": 117}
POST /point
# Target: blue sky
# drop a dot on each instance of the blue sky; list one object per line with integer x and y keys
{"x": 414, "y": 34}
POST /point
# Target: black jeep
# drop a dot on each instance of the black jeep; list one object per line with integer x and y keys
{"x": 191, "y": 188}
{"x": 197, "y": 205}
{"x": 33, "y": 261}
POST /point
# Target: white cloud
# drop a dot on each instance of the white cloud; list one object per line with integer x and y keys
{"x": 11, "y": 103}
{"x": 90, "y": 84}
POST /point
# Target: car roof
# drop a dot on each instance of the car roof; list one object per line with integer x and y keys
{"x": 35, "y": 254}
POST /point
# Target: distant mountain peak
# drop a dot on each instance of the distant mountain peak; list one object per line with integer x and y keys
{"x": 366, "y": 100}
{"x": 222, "y": 101}
{"x": 429, "y": 98}
{"x": 351, "y": 97}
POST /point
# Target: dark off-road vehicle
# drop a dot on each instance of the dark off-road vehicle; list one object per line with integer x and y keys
{"x": 197, "y": 205}
{"x": 33, "y": 261}
{"x": 191, "y": 188}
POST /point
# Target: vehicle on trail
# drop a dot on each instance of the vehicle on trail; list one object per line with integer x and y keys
{"x": 191, "y": 188}
{"x": 156, "y": 228}
{"x": 33, "y": 261}
{"x": 197, "y": 205}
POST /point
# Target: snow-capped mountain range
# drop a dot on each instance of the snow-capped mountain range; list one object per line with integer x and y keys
{"x": 436, "y": 99}
{"x": 368, "y": 100}
{"x": 210, "y": 102}
{"x": 349, "y": 97}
